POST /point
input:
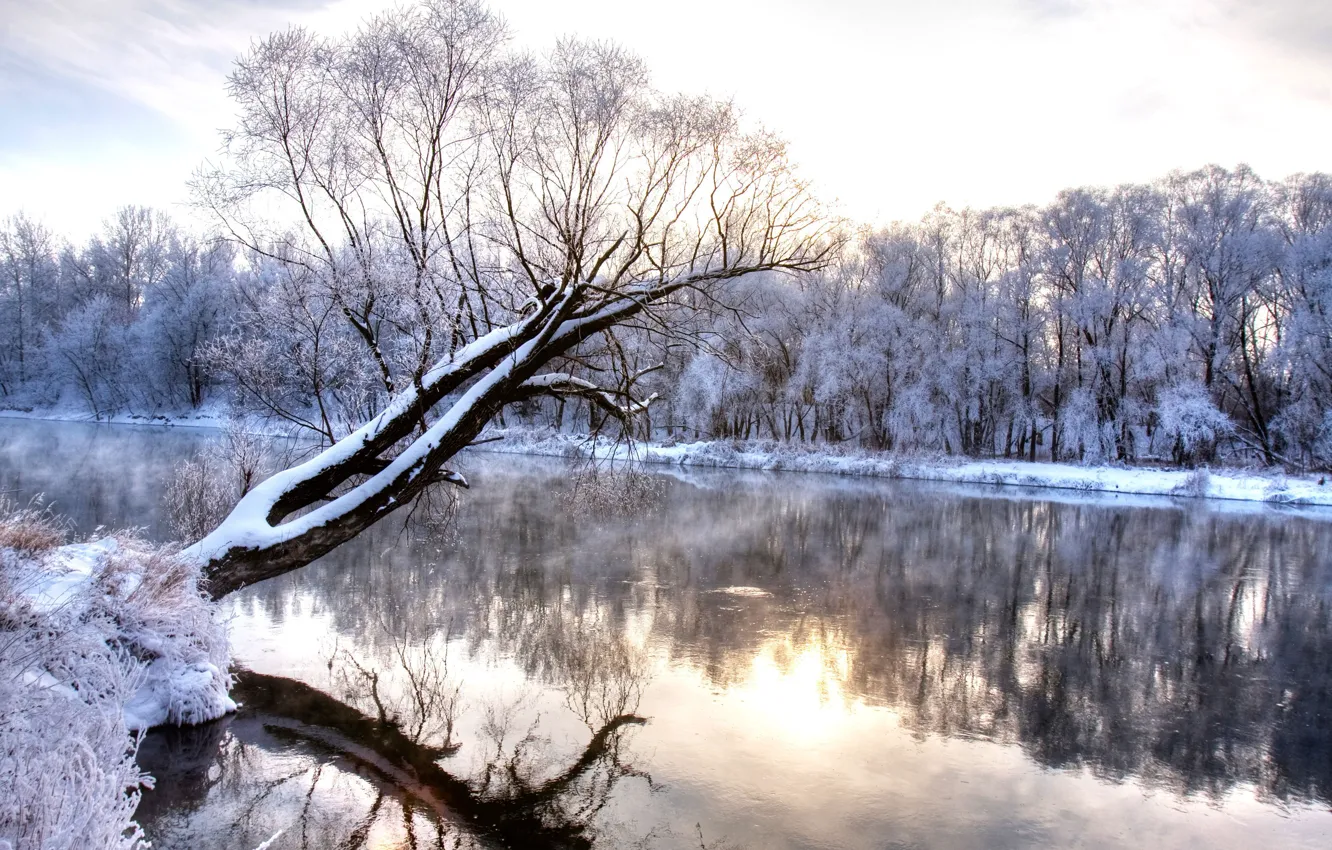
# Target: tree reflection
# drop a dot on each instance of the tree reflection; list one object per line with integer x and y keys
{"x": 390, "y": 727}
{"x": 1176, "y": 644}
{"x": 509, "y": 803}
{"x": 410, "y": 689}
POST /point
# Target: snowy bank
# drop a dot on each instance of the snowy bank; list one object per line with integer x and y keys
{"x": 215, "y": 416}
{"x": 98, "y": 640}
{"x": 1247, "y": 485}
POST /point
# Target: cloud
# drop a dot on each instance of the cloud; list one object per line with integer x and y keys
{"x": 169, "y": 55}
{"x": 891, "y": 105}
{"x": 1303, "y": 26}
{"x": 1053, "y": 9}
{"x": 109, "y": 102}
{"x": 58, "y": 115}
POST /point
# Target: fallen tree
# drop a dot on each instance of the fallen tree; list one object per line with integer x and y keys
{"x": 479, "y": 226}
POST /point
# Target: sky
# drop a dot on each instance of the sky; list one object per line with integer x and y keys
{"x": 889, "y": 107}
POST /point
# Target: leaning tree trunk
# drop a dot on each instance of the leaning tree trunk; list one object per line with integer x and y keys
{"x": 387, "y": 462}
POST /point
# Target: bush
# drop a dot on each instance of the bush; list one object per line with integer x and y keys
{"x": 29, "y": 530}
{"x": 97, "y": 640}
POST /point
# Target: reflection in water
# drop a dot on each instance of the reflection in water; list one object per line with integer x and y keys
{"x": 424, "y": 706}
{"x": 319, "y": 740}
{"x": 823, "y": 662}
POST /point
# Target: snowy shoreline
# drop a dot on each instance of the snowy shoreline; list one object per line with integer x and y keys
{"x": 215, "y": 418}
{"x": 99, "y": 640}
{"x": 1270, "y": 487}
{"x": 1276, "y": 488}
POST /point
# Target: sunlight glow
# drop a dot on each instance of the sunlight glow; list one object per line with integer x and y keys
{"x": 799, "y": 686}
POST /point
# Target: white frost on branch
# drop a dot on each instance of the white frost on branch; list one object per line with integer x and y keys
{"x": 563, "y": 382}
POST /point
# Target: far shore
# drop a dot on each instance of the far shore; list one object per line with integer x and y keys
{"x": 1271, "y": 486}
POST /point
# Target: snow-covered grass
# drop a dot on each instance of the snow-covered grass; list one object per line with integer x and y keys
{"x": 98, "y": 640}
{"x": 1247, "y": 485}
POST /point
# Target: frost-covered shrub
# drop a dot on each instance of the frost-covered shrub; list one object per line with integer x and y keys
{"x": 716, "y": 453}
{"x": 1190, "y": 421}
{"x": 67, "y": 772}
{"x": 1194, "y": 485}
{"x": 205, "y": 488}
{"x": 197, "y": 499}
{"x": 97, "y": 640}
{"x": 1093, "y": 441}
{"x": 604, "y": 490}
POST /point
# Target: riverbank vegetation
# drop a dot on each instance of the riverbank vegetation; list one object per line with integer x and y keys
{"x": 99, "y": 640}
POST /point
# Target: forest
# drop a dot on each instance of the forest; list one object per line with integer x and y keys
{"x": 1186, "y": 321}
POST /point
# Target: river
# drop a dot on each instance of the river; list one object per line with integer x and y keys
{"x": 750, "y": 661}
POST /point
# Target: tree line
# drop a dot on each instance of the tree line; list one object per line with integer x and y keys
{"x": 1184, "y": 320}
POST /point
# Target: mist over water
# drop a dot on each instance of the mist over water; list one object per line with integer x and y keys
{"x": 753, "y": 661}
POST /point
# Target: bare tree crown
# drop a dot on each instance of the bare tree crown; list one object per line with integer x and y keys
{"x": 479, "y": 217}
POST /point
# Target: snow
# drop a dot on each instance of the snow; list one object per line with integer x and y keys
{"x": 271, "y": 840}
{"x": 1272, "y": 487}
{"x": 68, "y": 571}
{"x": 179, "y": 694}
{"x": 94, "y": 586}
{"x": 214, "y": 416}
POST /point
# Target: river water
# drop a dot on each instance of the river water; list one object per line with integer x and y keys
{"x": 750, "y": 661}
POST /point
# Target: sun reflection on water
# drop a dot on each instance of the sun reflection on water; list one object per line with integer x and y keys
{"x": 798, "y": 684}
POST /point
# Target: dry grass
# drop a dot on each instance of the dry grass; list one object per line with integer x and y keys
{"x": 166, "y": 580}
{"x": 30, "y": 530}
{"x": 205, "y": 489}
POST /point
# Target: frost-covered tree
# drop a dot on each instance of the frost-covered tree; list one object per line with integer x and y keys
{"x": 392, "y": 196}
{"x": 518, "y": 209}
{"x": 130, "y": 256}
{"x": 1098, "y": 250}
{"x": 1304, "y": 310}
{"x": 88, "y": 353}
{"x": 28, "y": 296}
{"x": 182, "y": 314}
{"x": 1222, "y": 299}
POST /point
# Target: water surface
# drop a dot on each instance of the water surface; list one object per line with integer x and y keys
{"x": 759, "y": 661}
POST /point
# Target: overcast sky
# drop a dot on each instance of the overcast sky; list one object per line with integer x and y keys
{"x": 890, "y": 106}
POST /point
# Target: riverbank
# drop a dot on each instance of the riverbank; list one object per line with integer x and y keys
{"x": 1249, "y": 485}
{"x": 209, "y": 416}
{"x": 99, "y": 640}
{"x": 1274, "y": 487}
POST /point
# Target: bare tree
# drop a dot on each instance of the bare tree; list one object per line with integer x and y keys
{"x": 27, "y": 258}
{"x": 480, "y": 222}
{"x": 131, "y": 255}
